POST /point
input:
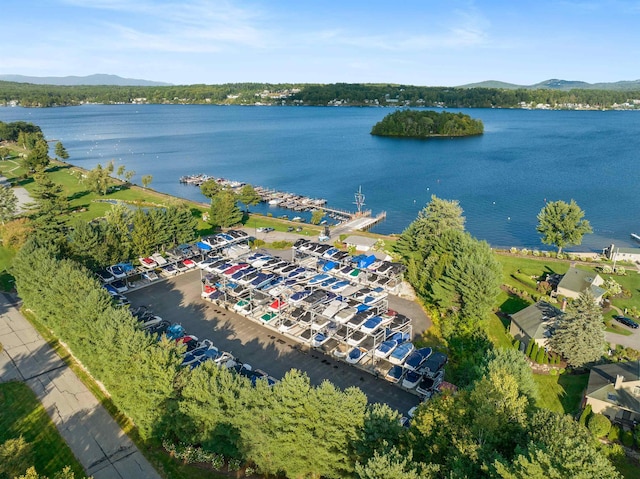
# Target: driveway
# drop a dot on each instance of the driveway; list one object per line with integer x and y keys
{"x": 178, "y": 300}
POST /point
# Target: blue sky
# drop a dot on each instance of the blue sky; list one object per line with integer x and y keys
{"x": 419, "y": 42}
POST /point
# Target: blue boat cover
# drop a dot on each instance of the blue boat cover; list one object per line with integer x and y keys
{"x": 329, "y": 265}
{"x": 368, "y": 260}
{"x": 203, "y": 246}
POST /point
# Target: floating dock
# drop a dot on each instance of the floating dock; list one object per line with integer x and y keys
{"x": 360, "y": 220}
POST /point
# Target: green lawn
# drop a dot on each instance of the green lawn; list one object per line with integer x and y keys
{"x": 23, "y": 415}
{"x": 561, "y": 393}
{"x": 496, "y": 328}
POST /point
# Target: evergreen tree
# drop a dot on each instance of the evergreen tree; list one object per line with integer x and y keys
{"x": 558, "y": 447}
{"x": 8, "y": 203}
{"x": 223, "y": 211}
{"x": 61, "y": 151}
{"x": 143, "y": 239}
{"x": 393, "y": 464}
{"x": 529, "y": 348}
{"x": 38, "y": 157}
{"x": 599, "y": 425}
{"x": 540, "y": 356}
{"x": 381, "y": 432}
{"x": 210, "y": 188}
{"x": 437, "y": 217}
{"x": 579, "y": 333}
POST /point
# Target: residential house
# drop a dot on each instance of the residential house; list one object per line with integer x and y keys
{"x": 622, "y": 254}
{"x": 614, "y": 390}
{"x": 360, "y": 243}
{"x": 576, "y": 281}
{"x": 535, "y": 322}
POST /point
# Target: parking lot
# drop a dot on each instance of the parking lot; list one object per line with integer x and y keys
{"x": 178, "y": 300}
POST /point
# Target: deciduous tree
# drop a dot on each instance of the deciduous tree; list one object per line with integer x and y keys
{"x": 146, "y": 180}
{"x": 248, "y": 196}
{"x": 562, "y": 224}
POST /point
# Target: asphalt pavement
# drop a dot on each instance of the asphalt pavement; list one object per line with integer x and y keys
{"x": 178, "y": 300}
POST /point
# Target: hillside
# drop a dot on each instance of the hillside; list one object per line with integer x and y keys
{"x": 555, "y": 84}
{"x": 97, "y": 79}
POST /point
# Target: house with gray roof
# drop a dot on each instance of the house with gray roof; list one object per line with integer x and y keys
{"x": 360, "y": 243}
{"x": 535, "y": 322}
{"x": 576, "y": 281}
{"x": 614, "y": 390}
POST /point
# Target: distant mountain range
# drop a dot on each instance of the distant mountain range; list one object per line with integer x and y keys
{"x": 555, "y": 84}
{"x": 98, "y": 79}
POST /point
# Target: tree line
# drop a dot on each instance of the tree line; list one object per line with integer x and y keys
{"x": 423, "y": 124}
{"x": 489, "y": 429}
{"x": 355, "y": 94}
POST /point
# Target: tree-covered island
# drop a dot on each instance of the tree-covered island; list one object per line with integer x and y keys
{"x": 426, "y": 124}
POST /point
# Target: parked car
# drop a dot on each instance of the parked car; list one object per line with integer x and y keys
{"x": 626, "y": 321}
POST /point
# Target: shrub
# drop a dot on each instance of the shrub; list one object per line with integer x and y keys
{"x": 553, "y": 372}
{"x": 524, "y": 251}
{"x": 536, "y": 252}
{"x": 516, "y": 345}
{"x": 599, "y": 425}
{"x": 540, "y": 356}
{"x": 530, "y": 347}
{"x": 585, "y": 415}
{"x": 627, "y": 438}
{"x": 513, "y": 250}
{"x": 636, "y": 435}
{"x": 614, "y": 433}
{"x": 281, "y": 244}
{"x": 534, "y": 351}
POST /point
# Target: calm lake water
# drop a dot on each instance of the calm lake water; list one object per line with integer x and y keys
{"x": 502, "y": 179}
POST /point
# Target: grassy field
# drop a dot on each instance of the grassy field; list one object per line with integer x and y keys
{"x": 23, "y": 415}
{"x": 561, "y": 393}
{"x": 517, "y": 269}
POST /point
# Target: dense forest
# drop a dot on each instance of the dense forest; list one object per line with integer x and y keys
{"x": 347, "y": 94}
{"x": 425, "y": 124}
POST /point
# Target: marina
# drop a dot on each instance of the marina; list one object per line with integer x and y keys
{"x": 360, "y": 219}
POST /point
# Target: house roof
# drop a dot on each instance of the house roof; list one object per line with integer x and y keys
{"x": 602, "y": 380}
{"x": 360, "y": 241}
{"x": 579, "y": 280}
{"x": 535, "y": 319}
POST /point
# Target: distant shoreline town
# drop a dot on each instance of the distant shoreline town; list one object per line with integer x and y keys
{"x": 558, "y": 96}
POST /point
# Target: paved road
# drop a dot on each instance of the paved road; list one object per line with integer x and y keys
{"x": 178, "y": 300}
{"x": 102, "y": 448}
